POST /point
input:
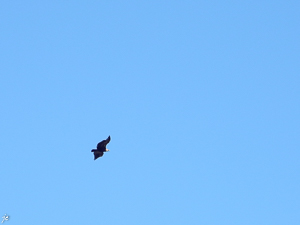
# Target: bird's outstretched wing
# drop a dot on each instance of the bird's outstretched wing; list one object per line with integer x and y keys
{"x": 101, "y": 146}
{"x": 97, "y": 154}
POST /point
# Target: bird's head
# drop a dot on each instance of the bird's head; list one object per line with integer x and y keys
{"x": 107, "y": 150}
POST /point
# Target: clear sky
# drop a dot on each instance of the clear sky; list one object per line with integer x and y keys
{"x": 201, "y": 99}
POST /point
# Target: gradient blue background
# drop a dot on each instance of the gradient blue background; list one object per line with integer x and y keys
{"x": 201, "y": 99}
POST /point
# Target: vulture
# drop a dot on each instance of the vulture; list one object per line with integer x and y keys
{"x": 101, "y": 148}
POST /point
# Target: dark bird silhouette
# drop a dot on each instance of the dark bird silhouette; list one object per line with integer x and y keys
{"x": 101, "y": 148}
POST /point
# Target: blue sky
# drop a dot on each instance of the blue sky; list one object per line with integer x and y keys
{"x": 201, "y": 99}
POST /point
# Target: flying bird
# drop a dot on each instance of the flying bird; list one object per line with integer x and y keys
{"x": 101, "y": 148}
